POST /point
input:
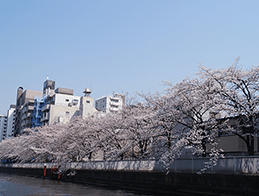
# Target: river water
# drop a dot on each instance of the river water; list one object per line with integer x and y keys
{"x": 11, "y": 184}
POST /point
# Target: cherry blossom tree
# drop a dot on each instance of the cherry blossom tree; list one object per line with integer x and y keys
{"x": 184, "y": 116}
{"x": 184, "y": 121}
{"x": 138, "y": 120}
{"x": 238, "y": 90}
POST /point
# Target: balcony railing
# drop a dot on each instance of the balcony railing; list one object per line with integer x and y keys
{"x": 228, "y": 165}
{"x": 114, "y": 109}
{"x": 114, "y": 103}
{"x": 45, "y": 118}
{"x": 46, "y": 107}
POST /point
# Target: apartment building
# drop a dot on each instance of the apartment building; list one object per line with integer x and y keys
{"x": 110, "y": 103}
{"x": 10, "y": 121}
{"x": 37, "y": 111}
{"x": 39, "y": 103}
{"x": 3, "y": 126}
{"x": 60, "y": 105}
{"x": 24, "y": 109}
{"x": 63, "y": 106}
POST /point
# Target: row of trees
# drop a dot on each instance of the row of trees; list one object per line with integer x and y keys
{"x": 179, "y": 118}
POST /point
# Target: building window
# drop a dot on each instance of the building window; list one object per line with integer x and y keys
{"x": 67, "y": 100}
{"x": 75, "y": 101}
{"x": 87, "y": 101}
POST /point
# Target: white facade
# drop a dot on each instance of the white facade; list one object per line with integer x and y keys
{"x": 10, "y": 121}
{"x": 110, "y": 103}
{"x": 61, "y": 108}
{"x": 66, "y": 100}
{"x": 3, "y": 126}
{"x": 86, "y": 106}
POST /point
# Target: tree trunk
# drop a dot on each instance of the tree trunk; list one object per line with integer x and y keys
{"x": 250, "y": 144}
{"x": 90, "y": 156}
{"x": 203, "y": 147}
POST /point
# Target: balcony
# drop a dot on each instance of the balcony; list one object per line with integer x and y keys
{"x": 114, "y": 109}
{"x": 26, "y": 115}
{"x": 114, "y": 104}
{"x": 30, "y": 107}
{"x": 45, "y": 118}
{"x": 45, "y": 107}
{"x": 114, "y": 99}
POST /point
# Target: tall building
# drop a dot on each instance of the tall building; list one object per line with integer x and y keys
{"x": 110, "y": 103}
{"x": 24, "y": 109}
{"x": 7, "y": 123}
{"x": 50, "y": 106}
{"x": 10, "y": 121}
{"x": 37, "y": 111}
{"x": 3, "y": 127}
{"x": 60, "y": 105}
{"x": 39, "y": 103}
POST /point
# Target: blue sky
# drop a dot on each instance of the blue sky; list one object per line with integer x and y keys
{"x": 120, "y": 46}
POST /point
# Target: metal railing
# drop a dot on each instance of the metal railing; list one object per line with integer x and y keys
{"x": 231, "y": 165}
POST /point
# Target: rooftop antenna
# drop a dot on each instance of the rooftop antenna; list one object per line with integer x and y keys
{"x": 87, "y": 92}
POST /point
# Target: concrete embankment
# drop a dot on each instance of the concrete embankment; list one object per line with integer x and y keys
{"x": 146, "y": 175}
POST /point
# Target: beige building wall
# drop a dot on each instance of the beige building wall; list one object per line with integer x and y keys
{"x": 62, "y": 114}
{"x": 65, "y": 107}
{"x": 86, "y": 106}
{"x": 24, "y": 109}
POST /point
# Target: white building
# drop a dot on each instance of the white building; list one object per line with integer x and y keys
{"x": 63, "y": 106}
{"x": 3, "y": 127}
{"x": 110, "y": 103}
{"x": 10, "y": 121}
{"x": 60, "y": 107}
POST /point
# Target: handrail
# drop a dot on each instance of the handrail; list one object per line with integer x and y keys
{"x": 232, "y": 165}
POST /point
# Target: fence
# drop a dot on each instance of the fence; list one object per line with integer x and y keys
{"x": 232, "y": 165}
